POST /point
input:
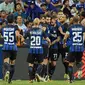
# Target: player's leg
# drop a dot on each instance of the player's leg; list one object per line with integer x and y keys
{"x": 52, "y": 65}
{"x": 30, "y": 61}
{"x": 12, "y": 64}
{"x": 71, "y": 59}
{"x": 6, "y": 55}
{"x": 45, "y": 61}
{"x": 64, "y": 54}
{"x": 39, "y": 70}
{"x": 79, "y": 64}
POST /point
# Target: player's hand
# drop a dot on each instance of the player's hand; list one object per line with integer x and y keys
{"x": 64, "y": 45}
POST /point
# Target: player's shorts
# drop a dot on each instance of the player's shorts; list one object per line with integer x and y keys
{"x": 35, "y": 57}
{"x": 10, "y": 54}
{"x": 53, "y": 54}
{"x": 74, "y": 56}
{"x": 63, "y": 51}
{"x": 45, "y": 51}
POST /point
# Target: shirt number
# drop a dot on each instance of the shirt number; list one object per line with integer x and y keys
{"x": 8, "y": 37}
{"x": 77, "y": 36}
{"x": 35, "y": 40}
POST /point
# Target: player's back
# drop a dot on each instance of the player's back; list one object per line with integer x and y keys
{"x": 76, "y": 36}
{"x": 9, "y": 35}
{"x": 36, "y": 36}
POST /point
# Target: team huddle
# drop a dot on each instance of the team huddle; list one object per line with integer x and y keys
{"x": 48, "y": 38}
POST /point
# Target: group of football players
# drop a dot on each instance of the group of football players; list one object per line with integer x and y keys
{"x": 49, "y": 36}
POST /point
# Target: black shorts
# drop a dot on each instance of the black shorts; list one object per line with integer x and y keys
{"x": 10, "y": 54}
{"x": 53, "y": 54}
{"x": 35, "y": 57}
{"x": 63, "y": 51}
{"x": 45, "y": 51}
{"x": 74, "y": 56}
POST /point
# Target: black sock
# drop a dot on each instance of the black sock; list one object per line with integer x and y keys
{"x": 39, "y": 69}
{"x": 52, "y": 69}
{"x": 12, "y": 70}
{"x": 66, "y": 67}
{"x": 30, "y": 72}
{"x": 44, "y": 71}
{"x": 7, "y": 66}
{"x": 70, "y": 72}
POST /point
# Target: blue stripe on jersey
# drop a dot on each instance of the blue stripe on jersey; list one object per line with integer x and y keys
{"x": 76, "y": 36}
{"x": 36, "y": 50}
{"x": 36, "y": 38}
{"x": 76, "y": 48}
{"x": 9, "y": 47}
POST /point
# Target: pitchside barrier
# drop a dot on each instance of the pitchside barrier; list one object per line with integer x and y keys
{"x": 21, "y": 72}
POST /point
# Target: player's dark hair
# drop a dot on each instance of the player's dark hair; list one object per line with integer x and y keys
{"x": 42, "y": 15}
{"x": 27, "y": 22}
{"x": 53, "y": 17}
{"x": 10, "y": 18}
{"x": 65, "y": 1}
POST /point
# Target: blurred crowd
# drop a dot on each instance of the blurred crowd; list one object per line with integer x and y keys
{"x": 25, "y": 11}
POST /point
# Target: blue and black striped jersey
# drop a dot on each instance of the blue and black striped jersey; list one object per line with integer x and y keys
{"x": 76, "y": 36}
{"x": 54, "y": 33}
{"x": 35, "y": 40}
{"x": 9, "y": 36}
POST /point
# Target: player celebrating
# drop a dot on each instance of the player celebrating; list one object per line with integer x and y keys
{"x": 9, "y": 33}
{"x": 35, "y": 50}
{"x": 53, "y": 51}
{"x": 77, "y": 35}
{"x": 63, "y": 51}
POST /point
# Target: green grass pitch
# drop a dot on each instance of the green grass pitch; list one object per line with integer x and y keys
{"x": 57, "y": 82}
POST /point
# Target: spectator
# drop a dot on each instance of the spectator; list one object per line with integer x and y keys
{"x": 34, "y": 11}
{"x": 29, "y": 24}
{"x": 38, "y": 2}
{"x": 57, "y": 3}
{"x": 3, "y": 17}
{"x": 66, "y": 8}
{"x": 8, "y": 7}
{"x": 74, "y": 11}
{"x": 1, "y": 22}
{"x": 82, "y": 16}
{"x": 50, "y": 7}
{"x": 20, "y": 24}
{"x": 19, "y": 11}
{"x": 80, "y": 5}
{"x": 71, "y": 2}
{"x": 44, "y": 7}
{"x": 83, "y": 22}
{"x": 21, "y": 2}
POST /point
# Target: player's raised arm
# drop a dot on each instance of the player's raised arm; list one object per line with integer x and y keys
{"x": 66, "y": 36}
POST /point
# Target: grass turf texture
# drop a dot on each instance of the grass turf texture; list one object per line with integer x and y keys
{"x": 57, "y": 82}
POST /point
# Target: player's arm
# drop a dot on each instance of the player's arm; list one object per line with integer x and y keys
{"x": 46, "y": 38}
{"x": 57, "y": 40}
{"x": 49, "y": 41}
{"x": 61, "y": 31}
{"x": 19, "y": 35}
{"x": 44, "y": 29}
{"x": 66, "y": 36}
